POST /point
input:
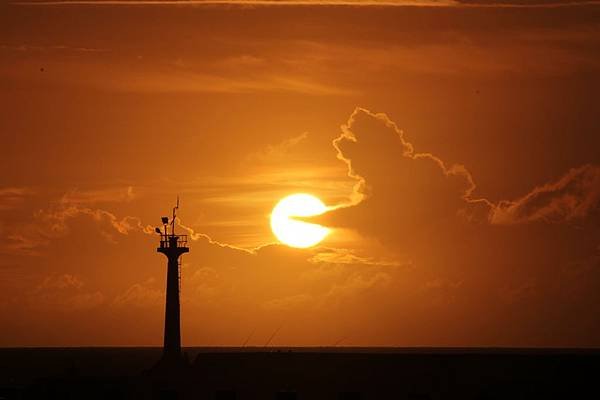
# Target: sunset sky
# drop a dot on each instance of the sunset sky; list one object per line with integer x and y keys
{"x": 456, "y": 142}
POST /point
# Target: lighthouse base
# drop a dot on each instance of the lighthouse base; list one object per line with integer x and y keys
{"x": 170, "y": 364}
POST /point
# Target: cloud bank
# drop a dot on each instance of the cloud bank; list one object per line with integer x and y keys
{"x": 448, "y": 270}
{"x": 401, "y": 194}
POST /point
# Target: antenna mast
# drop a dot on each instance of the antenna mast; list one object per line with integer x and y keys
{"x": 174, "y": 217}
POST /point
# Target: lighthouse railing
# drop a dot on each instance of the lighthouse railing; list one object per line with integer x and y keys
{"x": 168, "y": 241}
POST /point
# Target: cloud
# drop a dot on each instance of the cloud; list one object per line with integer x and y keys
{"x": 388, "y": 299}
{"x": 157, "y": 77}
{"x": 358, "y": 3}
{"x": 574, "y": 196}
{"x": 110, "y": 195}
{"x": 26, "y": 242}
{"x": 141, "y": 294}
{"x": 54, "y": 220}
{"x": 58, "y": 47}
{"x": 64, "y": 292}
{"x": 182, "y": 81}
{"x": 11, "y": 197}
{"x": 275, "y": 276}
{"x": 398, "y": 191}
{"x": 455, "y": 53}
{"x": 197, "y": 236}
{"x": 527, "y": 3}
{"x": 277, "y": 152}
{"x": 29, "y": 236}
{"x": 60, "y": 282}
{"x": 206, "y": 284}
{"x": 356, "y": 284}
{"x": 401, "y": 194}
{"x": 288, "y": 303}
{"x": 350, "y": 256}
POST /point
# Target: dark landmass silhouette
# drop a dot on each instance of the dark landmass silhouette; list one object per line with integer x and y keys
{"x": 300, "y": 373}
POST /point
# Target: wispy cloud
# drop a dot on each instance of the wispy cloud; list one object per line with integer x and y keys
{"x": 346, "y": 3}
{"x": 140, "y": 295}
{"x": 63, "y": 48}
{"x": 109, "y": 195}
{"x": 360, "y": 3}
{"x": 573, "y": 197}
{"x": 65, "y": 292}
{"x": 157, "y": 79}
{"x": 10, "y": 197}
{"x": 54, "y": 222}
{"x": 528, "y": 3}
{"x": 198, "y": 82}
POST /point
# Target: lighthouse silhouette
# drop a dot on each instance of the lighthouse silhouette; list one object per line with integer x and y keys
{"x": 173, "y": 246}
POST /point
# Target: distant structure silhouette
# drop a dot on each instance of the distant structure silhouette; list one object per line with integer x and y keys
{"x": 173, "y": 246}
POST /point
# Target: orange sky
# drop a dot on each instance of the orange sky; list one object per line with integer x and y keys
{"x": 461, "y": 136}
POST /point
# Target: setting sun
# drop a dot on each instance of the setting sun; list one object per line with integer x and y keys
{"x": 299, "y": 199}
{"x": 296, "y": 233}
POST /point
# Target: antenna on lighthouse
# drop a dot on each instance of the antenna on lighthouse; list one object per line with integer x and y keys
{"x": 174, "y": 216}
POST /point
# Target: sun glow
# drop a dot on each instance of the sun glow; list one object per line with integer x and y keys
{"x": 296, "y": 233}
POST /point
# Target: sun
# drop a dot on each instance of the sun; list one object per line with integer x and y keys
{"x": 296, "y": 233}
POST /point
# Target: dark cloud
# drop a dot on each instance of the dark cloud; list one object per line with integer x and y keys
{"x": 530, "y": 262}
{"x": 399, "y": 191}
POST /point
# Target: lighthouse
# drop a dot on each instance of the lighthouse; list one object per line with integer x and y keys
{"x": 172, "y": 245}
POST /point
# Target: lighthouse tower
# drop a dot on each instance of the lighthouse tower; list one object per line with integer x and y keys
{"x": 173, "y": 246}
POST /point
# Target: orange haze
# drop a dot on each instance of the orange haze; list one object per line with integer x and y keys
{"x": 459, "y": 143}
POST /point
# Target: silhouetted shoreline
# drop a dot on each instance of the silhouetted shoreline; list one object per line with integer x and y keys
{"x": 299, "y": 373}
